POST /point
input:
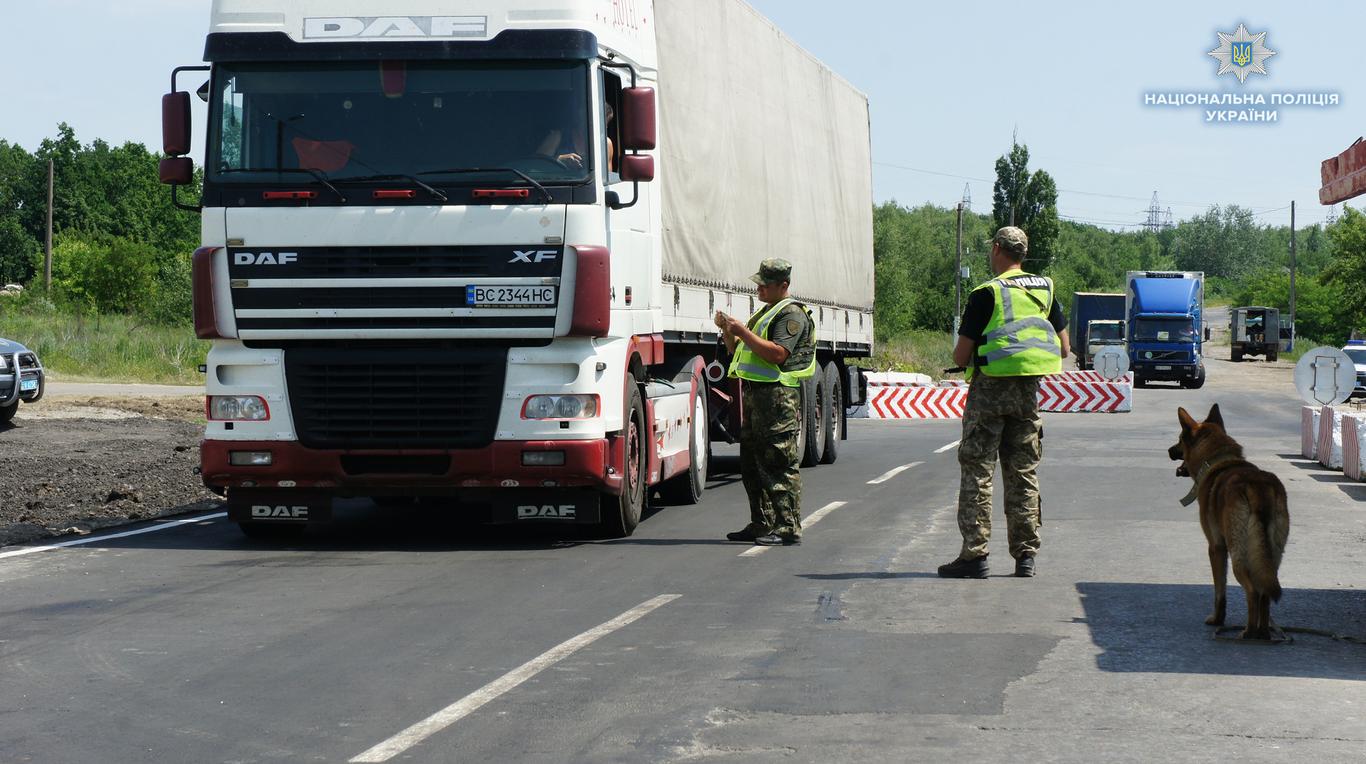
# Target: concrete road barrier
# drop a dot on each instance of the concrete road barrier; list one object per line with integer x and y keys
{"x": 1329, "y": 447}
{"x": 1353, "y": 445}
{"x": 1309, "y": 432}
{"x": 1068, "y": 392}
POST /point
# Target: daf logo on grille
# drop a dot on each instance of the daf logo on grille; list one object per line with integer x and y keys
{"x": 533, "y": 256}
{"x": 264, "y": 258}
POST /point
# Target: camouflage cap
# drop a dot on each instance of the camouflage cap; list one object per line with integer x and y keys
{"x": 1013, "y": 240}
{"x": 773, "y": 271}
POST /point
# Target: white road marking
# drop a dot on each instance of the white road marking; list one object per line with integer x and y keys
{"x": 807, "y": 522}
{"x": 491, "y": 691}
{"x": 949, "y": 447}
{"x": 889, "y": 474}
{"x": 97, "y": 539}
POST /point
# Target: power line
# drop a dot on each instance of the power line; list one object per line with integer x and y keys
{"x": 1102, "y": 195}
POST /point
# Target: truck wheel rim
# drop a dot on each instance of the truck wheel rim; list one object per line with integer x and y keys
{"x": 633, "y": 454}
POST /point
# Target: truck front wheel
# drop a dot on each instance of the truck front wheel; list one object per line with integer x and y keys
{"x": 1199, "y": 380}
{"x": 621, "y": 514}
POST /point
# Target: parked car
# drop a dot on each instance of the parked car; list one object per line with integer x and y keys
{"x": 21, "y": 378}
{"x": 1356, "y": 350}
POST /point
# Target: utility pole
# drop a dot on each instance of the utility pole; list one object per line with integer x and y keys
{"x": 958, "y": 275}
{"x": 47, "y": 241}
{"x": 1292, "y": 260}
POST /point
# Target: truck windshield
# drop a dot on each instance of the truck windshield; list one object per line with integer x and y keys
{"x": 357, "y": 119}
{"x": 1163, "y": 330}
{"x": 1104, "y": 332}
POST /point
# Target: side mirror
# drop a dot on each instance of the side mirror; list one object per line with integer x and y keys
{"x": 176, "y": 171}
{"x": 175, "y": 123}
{"x": 638, "y": 119}
{"x": 638, "y": 168}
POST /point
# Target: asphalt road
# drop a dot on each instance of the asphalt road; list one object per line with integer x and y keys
{"x": 399, "y": 633}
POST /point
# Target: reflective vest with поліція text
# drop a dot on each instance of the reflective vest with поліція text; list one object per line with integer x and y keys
{"x": 749, "y": 366}
{"x": 1019, "y": 341}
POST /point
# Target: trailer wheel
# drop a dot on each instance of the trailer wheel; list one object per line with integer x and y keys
{"x": 621, "y": 514}
{"x": 813, "y": 405}
{"x": 834, "y": 406}
{"x": 687, "y": 487}
{"x": 7, "y": 412}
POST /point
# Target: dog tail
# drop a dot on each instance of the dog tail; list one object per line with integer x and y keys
{"x": 1268, "y": 528}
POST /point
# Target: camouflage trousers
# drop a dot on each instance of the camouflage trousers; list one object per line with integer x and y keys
{"x": 769, "y": 460}
{"x": 1001, "y": 419}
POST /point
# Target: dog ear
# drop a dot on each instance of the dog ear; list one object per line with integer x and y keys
{"x": 1188, "y": 422}
{"x": 1214, "y": 416}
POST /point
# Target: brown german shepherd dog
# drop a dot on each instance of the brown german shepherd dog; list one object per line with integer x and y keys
{"x": 1243, "y": 513}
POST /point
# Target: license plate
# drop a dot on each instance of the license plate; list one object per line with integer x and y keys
{"x": 516, "y": 296}
{"x": 28, "y": 384}
{"x": 1163, "y": 368}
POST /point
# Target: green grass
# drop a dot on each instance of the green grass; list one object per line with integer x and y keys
{"x": 105, "y": 348}
{"x": 925, "y": 352}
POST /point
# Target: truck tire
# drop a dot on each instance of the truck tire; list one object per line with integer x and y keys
{"x": 1139, "y": 381}
{"x": 687, "y": 487}
{"x": 1237, "y": 355}
{"x": 1272, "y": 355}
{"x": 834, "y": 405}
{"x": 7, "y": 412}
{"x": 621, "y": 514}
{"x": 274, "y": 532}
{"x": 811, "y": 443}
{"x": 1199, "y": 381}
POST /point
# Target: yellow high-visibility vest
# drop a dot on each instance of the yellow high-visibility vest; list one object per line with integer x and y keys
{"x": 748, "y": 365}
{"x": 1019, "y": 341}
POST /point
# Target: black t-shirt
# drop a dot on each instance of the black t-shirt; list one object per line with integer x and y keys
{"x": 982, "y": 303}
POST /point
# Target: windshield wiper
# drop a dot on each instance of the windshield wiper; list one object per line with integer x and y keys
{"x": 397, "y": 176}
{"x": 317, "y": 174}
{"x": 468, "y": 170}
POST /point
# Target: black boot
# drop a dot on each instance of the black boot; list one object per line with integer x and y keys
{"x": 961, "y": 568}
{"x": 1024, "y": 567}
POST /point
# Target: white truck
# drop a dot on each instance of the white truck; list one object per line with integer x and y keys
{"x": 473, "y": 250}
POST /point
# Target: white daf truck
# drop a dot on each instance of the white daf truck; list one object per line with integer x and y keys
{"x": 474, "y": 250}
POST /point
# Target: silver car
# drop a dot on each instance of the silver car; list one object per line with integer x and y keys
{"x": 21, "y": 378}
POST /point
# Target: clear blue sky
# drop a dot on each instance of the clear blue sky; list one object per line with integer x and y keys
{"x": 947, "y": 84}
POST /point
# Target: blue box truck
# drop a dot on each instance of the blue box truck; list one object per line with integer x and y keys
{"x": 1166, "y": 327}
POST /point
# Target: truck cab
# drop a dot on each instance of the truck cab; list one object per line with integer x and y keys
{"x": 1100, "y": 335}
{"x": 1356, "y": 350}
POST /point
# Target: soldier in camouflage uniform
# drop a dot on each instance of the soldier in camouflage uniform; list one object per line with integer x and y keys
{"x": 773, "y": 352}
{"x": 1012, "y": 332}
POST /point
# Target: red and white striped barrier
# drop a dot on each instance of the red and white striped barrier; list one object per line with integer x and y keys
{"x": 1309, "y": 432}
{"x": 1353, "y": 445}
{"x": 1065, "y": 393}
{"x": 897, "y": 402}
{"x": 1068, "y": 392}
{"x": 1330, "y": 438}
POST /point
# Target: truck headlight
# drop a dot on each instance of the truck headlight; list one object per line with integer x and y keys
{"x": 560, "y": 407}
{"x": 238, "y": 408}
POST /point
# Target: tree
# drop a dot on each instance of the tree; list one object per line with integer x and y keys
{"x": 1347, "y": 270}
{"x": 1224, "y": 243}
{"x": 1029, "y": 201}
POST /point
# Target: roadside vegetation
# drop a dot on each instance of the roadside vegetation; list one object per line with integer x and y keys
{"x": 119, "y": 307}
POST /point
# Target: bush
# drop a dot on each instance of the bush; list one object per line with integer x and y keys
{"x": 98, "y": 274}
{"x": 17, "y": 252}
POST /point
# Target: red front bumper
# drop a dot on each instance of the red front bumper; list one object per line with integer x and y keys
{"x": 592, "y": 463}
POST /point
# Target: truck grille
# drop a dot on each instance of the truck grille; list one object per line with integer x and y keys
{"x": 386, "y": 399}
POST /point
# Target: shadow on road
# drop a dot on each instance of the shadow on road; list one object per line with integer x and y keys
{"x": 1159, "y": 628}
